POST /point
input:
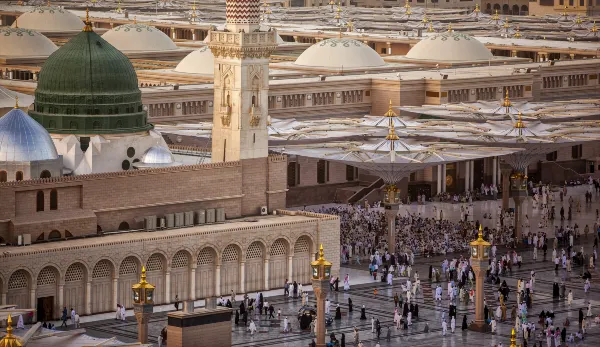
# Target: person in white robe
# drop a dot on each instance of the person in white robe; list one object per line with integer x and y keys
{"x": 409, "y": 319}
{"x": 372, "y": 325}
{"x": 438, "y": 293}
{"x": 389, "y": 279}
{"x": 76, "y": 321}
{"x": 159, "y": 339}
{"x": 444, "y": 327}
{"x": 570, "y": 298}
{"x": 300, "y": 291}
{"x": 327, "y": 306}
{"x": 285, "y": 325}
{"x": 20, "y": 324}
{"x": 589, "y": 309}
{"x": 252, "y": 327}
{"x": 493, "y": 325}
{"x": 123, "y": 313}
{"x": 498, "y": 312}
{"x": 347, "y": 282}
{"x": 397, "y": 320}
{"x": 452, "y": 324}
{"x": 118, "y": 313}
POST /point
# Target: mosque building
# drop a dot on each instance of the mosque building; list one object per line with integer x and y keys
{"x": 95, "y": 194}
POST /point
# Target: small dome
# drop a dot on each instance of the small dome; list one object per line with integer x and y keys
{"x": 449, "y": 46}
{"x": 340, "y": 53}
{"x": 21, "y": 42}
{"x": 200, "y": 61}
{"x": 138, "y": 38}
{"x": 158, "y": 155}
{"x": 22, "y": 139}
{"x": 49, "y": 18}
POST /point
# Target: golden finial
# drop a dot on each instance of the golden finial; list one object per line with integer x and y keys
{"x": 16, "y": 101}
{"x": 143, "y": 277}
{"x": 477, "y": 10}
{"x": 408, "y": 12}
{"x": 134, "y": 19}
{"x": 9, "y": 340}
{"x": 406, "y": 4}
{"x": 480, "y": 234}
{"x": 578, "y": 20}
{"x": 506, "y": 102}
{"x": 425, "y": 19}
{"x": 513, "y": 338}
{"x": 519, "y": 124}
{"x": 594, "y": 28}
{"x": 88, "y": 24}
{"x": 321, "y": 253}
{"x": 391, "y": 136}
{"x": 506, "y": 24}
{"x": 450, "y": 28}
{"x": 564, "y": 13}
{"x": 390, "y": 112}
{"x": 518, "y": 33}
{"x": 430, "y": 28}
{"x": 496, "y": 17}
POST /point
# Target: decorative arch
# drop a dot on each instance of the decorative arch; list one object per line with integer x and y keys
{"x": 54, "y": 235}
{"x": 156, "y": 267}
{"x": 45, "y": 174}
{"x": 39, "y": 201}
{"x": 254, "y": 270}
{"x": 3, "y": 176}
{"x": 19, "y": 284}
{"x": 206, "y": 262}
{"x": 54, "y": 199}
{"x": 102, "y": 291}
{"x": 129, "y": 274}
{"x": 278, "y": 263}
{"x": 124, "y": 226}
{"x": 47, "y": 281}
{"x": 524, "y": 9}
{"x": 75, "y": 287}
{"x": 515, "y": 9}
{"x": 230, "y": 269}
{"x": 303, "y": 247}
{"x": 180, "y": 273}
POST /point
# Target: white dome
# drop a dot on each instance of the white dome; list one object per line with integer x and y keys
{"x": 19, "y": 42}
{"x": 22, "y": 139}
{"x": 340, "y": 53}
{"x": 157, "y": 156}
{"x": 49, "y": 18}
{"x": 449, "y": 46}
{"x": 200, "y": 61}
{"x": 138, "y": 38}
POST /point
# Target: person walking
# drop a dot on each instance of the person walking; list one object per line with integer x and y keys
{"x": 64, "y": 317}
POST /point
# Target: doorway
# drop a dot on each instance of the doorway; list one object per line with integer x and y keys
{"x": 45, "y": 309}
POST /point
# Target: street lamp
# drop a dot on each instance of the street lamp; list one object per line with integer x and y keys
{"x": 143, "y": 305}
{"x": 480, "y": 253}
{"x": 321, "y": 273}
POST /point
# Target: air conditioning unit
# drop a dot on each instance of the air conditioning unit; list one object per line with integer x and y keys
{"x": 221, "y": 215}
{"x": 170, "y": 218}
{"x": 200, "y": 217}
{"x": 210, "y": 215}
{"x": 163, "y": 223}
{"x": 188, "y": 218}
{"x": 264, "y": 211}
{"x": 26, "y": 239}
{"x": 179, "y": 221}
{"x": 150, "y": 223}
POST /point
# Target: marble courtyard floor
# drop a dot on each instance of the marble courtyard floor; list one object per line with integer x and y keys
{"x": 381, "y": 306}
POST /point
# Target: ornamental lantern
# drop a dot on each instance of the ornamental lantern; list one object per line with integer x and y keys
{"x": 143, "y": 292}
{"x": 480, "y": 248}
{"x": 321, "y": 268}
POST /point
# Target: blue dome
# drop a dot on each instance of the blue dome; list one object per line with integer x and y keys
{"x": 22, "y": 139}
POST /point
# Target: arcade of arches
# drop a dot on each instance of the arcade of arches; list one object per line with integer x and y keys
{"x": 186, "y": 274}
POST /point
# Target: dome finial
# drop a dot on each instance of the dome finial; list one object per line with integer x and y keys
{"x": 430, "y": 28}
{"x": 506, "y": 102}
{"x": 391, "y": 136}
{"x": 390, "y": 112}
{"x": 16, "y": 101}
{"x": 450, "y": 28}
{"x": 88, "y": 24}
{"x": 519, "y": 124}
{"x": 9, "y": 340}
{"x": 594, "y": 28}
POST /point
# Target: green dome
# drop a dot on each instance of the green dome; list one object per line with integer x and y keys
{"x": 89, "y": 87}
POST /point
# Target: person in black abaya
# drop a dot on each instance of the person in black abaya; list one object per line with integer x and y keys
{"x": 486, "y": 313}
{"x": 242, "y": 308}
{"x": 555, "y": 290}
{"x": 416, "y": 311}
{"x": 343, "y": 341}
{"x": 430, "y": 270}
{"x": 349, "y": 305}
{"x": 337, "y": 282}
{"x": 237, "y": 317}
{"x": 338, "y": 313}
{"x": 405, "y": 310}
{"x": 363, "y": 315}
{"x": 412, "y": 308}
{"x": 465, "y": 326}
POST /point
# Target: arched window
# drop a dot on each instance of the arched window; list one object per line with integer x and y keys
{"x": 19, "y": 176}
{"x": 54, "y": 234}
{"x": 53, "y": 199}
{"x": 253, "y": 100}
{"x": 3, "y": 176}
{"x": 39, "y": 201}
{"x": 45, "y": 174}
{"x": 124, "y": 226}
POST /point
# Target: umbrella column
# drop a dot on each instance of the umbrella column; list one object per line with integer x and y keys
{"x": 506, "y": 171}
{"x": 518, "y": 189}
{"x": 391, "y": 204}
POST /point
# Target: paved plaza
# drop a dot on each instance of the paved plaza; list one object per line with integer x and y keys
{"x": 381, "y": 305}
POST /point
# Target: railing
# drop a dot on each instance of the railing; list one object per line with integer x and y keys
{"x": 366, "y": 190}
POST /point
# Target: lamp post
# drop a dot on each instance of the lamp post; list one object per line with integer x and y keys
{"x": 143, "y": 305}
{"x": 391, "y": 203}
{"x": 518, "y": 191}
{"x": 321, "y": 273}
{"x": 480, "y": 253}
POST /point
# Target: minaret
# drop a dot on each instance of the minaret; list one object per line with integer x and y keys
{"x": 241, "y": 83}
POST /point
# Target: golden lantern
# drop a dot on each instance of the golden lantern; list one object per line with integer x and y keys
{"x": 321, "y": 268}
{"x": 480, "y": 248}
{"x": 143, "y": 292}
